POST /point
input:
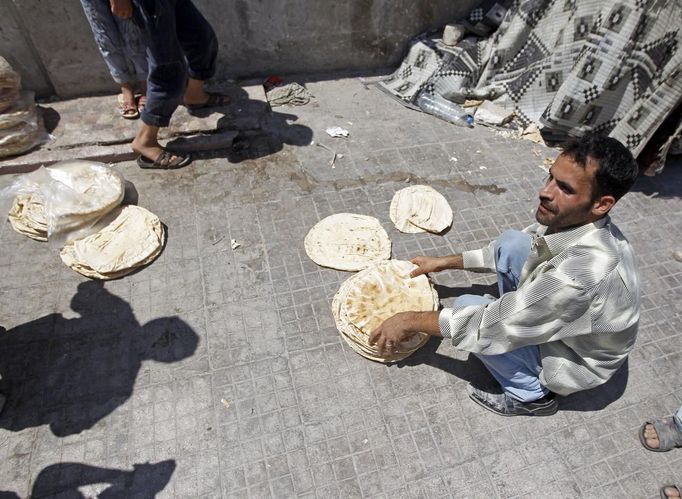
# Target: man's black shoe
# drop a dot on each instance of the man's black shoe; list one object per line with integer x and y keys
{"x": 504, "y": 405}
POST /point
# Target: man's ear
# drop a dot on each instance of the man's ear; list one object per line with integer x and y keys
{"x": 602, "y": 205}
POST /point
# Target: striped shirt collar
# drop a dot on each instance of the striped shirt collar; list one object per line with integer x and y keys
{"x": 548, "y": 246}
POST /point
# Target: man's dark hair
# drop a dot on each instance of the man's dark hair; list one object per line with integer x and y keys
{"x": 617, "y": 169}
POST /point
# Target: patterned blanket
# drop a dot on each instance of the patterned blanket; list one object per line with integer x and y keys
{"x": 567, "y": 65}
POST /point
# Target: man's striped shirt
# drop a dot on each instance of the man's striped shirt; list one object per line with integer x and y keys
{"x": 578, "y": 299}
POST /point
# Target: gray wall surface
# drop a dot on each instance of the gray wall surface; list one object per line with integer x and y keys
{"x": 51, "y": 45}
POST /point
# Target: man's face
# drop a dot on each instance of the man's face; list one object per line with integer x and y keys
{"x": 566, "y": 200}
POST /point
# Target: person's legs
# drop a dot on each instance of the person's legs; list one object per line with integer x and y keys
{"x": 516, "y": 371}
{"x": 167, "y": 74}
{"x": 678, "y": 418}
{"x": 108, "y": 39}
{"x": 512, "y": 249}
{"x": 111, "y": 44}
{"x": 200, "y": 46}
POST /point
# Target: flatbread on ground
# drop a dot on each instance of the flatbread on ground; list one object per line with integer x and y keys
{"x": 368, "y": 298}
{"x": 420, "y": 208}
{"x": 27, "y": 216}
{"x": 132, "y": 238}
{"x": 347, "y": 241}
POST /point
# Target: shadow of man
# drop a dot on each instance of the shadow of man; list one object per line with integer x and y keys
{"x": 79, "y": 481}
{"x": 70, "y": 373}
{"x": 258, "y": 131}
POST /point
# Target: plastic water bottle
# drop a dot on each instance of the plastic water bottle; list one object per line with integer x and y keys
{"x": 444, "y": 109}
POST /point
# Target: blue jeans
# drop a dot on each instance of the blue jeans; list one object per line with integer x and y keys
{"x": 180, "y": 43}
{"x": 120, "y": 42}
{"x": 516, "y": 371}
{"x": 678, "y": 418}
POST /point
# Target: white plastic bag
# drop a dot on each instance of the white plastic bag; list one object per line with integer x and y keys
{"x": 74, "y": 196}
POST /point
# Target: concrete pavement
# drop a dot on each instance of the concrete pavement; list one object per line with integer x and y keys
{"x": 223, "y": 371}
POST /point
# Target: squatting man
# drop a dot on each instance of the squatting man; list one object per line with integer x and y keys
{"x": 568, "y": 310}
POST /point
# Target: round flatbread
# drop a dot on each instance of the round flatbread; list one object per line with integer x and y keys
{"x": 132, "y": 238}
{"x": 27, "y": 216}
{"x": 347, "y": 241}
{"x": 370, "y": 297}
{"x": 420, "y": 208}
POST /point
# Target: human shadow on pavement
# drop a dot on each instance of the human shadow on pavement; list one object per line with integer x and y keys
{"x": 471, "y": 370}
{"x": 255, "y": 131}
{"x": 65, "y": 480}
{"x": 600, "y": 397}
{"x": 71, "y": 373}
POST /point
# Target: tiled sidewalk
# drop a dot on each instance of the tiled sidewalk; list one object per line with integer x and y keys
{"x": 219, "y": 373}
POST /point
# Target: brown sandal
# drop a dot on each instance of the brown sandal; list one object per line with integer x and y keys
{"x": 128, "y": 110}
{"x": 164, "y": 161}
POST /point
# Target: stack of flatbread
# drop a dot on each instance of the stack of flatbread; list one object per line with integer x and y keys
{"x": 368, "y": 298}
{"x": 20, "y": 127}
{"x": 131, "y": 238}
{"x": 420, "y": 208}
{"x": 64, "y": 198}
{"x": 27, "y": 216}
{"x": 347, "y": 241}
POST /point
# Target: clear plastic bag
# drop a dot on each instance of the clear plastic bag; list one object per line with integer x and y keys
{"x": 74, "y": 196}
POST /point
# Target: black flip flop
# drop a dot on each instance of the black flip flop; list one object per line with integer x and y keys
{"x": 163, "y": 161}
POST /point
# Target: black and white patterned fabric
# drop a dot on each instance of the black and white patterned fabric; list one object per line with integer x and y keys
{"x": 569, "y": 66}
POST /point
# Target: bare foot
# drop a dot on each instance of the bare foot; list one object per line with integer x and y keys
{"x": 671, "y": 492}
{"x": 651, "y": 436}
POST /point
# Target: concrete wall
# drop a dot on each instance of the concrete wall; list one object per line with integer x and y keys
{"x": 49, "y": 42}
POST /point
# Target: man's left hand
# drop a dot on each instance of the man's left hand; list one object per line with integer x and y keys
{"x": 393, "y": 331}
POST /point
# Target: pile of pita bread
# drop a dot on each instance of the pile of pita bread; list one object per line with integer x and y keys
{"x": 382, "y": 288}
{"x": 368, "y": 298}
{"x": 20, "y": 127}
{"x": 131, "y": 238}
{"x": 79, "y": 203}
{"x": 420, "y": 208}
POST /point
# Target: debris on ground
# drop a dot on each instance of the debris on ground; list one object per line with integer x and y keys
{"x": 677, "y": 255}
{"x": 472, "y": 103}
{"x": 334, "y": 155}
{"x": 234, "y": 244}
{"x": 337, "y": 131}
{"x": 293, "y": 94}
{"x": 489, "y": 113}
{"x": 453, "y": 33}
{"x": 532, "y": 133}
{"x": 225, "y": 403}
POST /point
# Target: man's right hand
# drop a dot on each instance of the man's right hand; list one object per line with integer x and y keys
{"x": 122, "y": 8}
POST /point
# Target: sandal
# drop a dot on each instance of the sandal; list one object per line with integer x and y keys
{"x": 164, "y": 162}
{"x": 214, "y": 100}
{"x": 666, "y": 496}
{"x": 141, "y": 102}
{"x": 669, "y": 437}
{"x": 128, "y": 111}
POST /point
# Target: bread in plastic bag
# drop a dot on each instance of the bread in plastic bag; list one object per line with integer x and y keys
{"x": 74, "y": 196}
{"x": 21, "y": 112}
